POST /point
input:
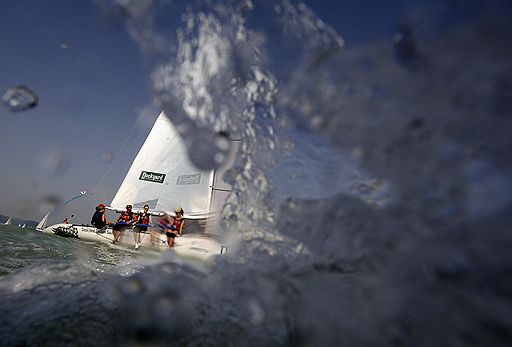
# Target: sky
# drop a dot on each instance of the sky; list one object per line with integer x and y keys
{"x": 90, "y": 81}
{"x": 93, "y": 93}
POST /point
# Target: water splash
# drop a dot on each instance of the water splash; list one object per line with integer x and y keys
{"x": 405, "y": 113}
{"x": 211, "y": 62}
{"x": 20, "y": 98}
{"x": 107, "y": 156}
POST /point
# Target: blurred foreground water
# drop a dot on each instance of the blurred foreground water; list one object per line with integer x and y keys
{"x": 372, "y": 188}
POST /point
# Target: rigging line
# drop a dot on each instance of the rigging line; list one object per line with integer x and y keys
{"x": 107, "y": 172}
{"x": 74, "y": 198}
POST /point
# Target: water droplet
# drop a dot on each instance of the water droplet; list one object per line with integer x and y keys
{"x": 55, "y": 162}
{"x": 50, "y": 201}
{"x": 20, "y": 98}
{"x": 132, "y": 286}
{"x": 219, "y": 158}
{"x": 257, "y": 313}
{"x": 167, "y": 268}
{"x": 107, "y": 156}
{"x": 406, "y": 49}
{"x": 315, "y": 122}
{"x": 164, "y": 306}
{"x": 357, "y": 153}
{"x": 222, "y": 143}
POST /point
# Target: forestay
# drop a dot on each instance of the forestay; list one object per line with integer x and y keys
{"x": 163, "y": 176}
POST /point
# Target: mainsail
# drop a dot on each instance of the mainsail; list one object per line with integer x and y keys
{"x": 9, "y": 221}
{"x": 163, "y": 177}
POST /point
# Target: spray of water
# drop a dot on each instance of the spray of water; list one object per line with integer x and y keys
{"x": 408, "y": 113}
{"x": 425, "y": 118}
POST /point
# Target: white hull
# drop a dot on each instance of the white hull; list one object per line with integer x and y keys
{"x": 191, "y": 246}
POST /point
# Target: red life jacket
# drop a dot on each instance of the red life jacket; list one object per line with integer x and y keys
{"x": 143, "y": 218}
{"x": 178, "y": 224}
{"x": 126, "y": 216}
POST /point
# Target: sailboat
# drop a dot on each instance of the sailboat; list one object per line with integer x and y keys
{"x": 42, "y": 224}
{"x": 163, "y": 177}
{"x": 9, "y": 221}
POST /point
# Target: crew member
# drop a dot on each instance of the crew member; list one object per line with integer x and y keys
{"x": 125, "y": 220}
{"x": 143, "y": 221}
{"x": 175, "y": 228}
{"x": 99, "y": 220}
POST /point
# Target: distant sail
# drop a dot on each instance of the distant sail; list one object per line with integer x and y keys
{"x": 42, "y": 223}
{"x": 163, "y": 176}
{"x": 9, "y": 221}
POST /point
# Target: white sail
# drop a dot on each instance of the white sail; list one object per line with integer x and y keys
{"x": 9, "y": 221}
{"x": 163, "y": 176}
{"x": 42, "y": 223}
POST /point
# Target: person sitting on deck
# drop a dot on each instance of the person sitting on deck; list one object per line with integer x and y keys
{"x": 99, "y": 220}
{"x": 175, "y": 227}
{"x": 126, "y": 219}
{"x": 143, "y": 221}
{"x": 66, "y": 220}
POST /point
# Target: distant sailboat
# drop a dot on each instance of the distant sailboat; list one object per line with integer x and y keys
{"x": 163, "y": 177}
{"x": 42, "y": 224}
{"x": 9, "y": 221}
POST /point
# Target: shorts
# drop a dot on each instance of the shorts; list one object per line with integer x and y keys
{"x": 140, "y": 228}
{"x": 171, "y": 235}
{"x": 121, "y": 227}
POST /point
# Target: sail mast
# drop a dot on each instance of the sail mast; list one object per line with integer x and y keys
{"x": 210, "y": 195}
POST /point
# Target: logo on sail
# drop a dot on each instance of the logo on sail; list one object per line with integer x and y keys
{"x": 152, "y": 177}
{"x": 188, "y": 179}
